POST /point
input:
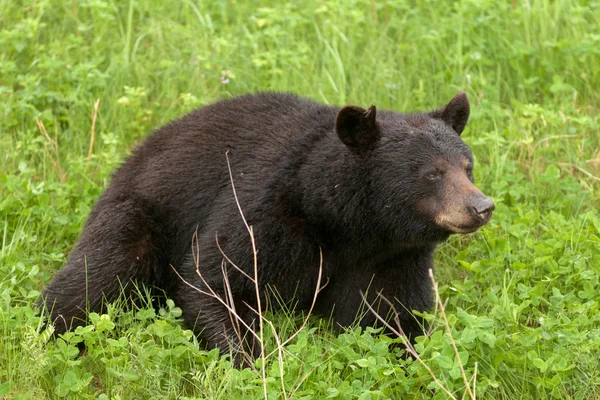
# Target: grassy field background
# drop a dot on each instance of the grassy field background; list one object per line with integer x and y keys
{"x": 523, "y": 293}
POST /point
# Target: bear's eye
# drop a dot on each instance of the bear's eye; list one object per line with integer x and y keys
{"x": 432, "y": 176}
{"x": 470, "y": 171}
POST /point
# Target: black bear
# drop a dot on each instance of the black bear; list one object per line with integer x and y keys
{"x": 372, "y": 192}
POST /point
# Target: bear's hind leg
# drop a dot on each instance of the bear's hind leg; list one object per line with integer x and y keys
{"x": 116, "y": 249}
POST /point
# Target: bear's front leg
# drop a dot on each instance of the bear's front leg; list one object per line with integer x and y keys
{"x": 402, "y": 280}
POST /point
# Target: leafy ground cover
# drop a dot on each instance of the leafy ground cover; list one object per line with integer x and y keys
{"x": 522, "y": 294}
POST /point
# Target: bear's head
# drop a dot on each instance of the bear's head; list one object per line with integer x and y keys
{"x": 420, "y": 172}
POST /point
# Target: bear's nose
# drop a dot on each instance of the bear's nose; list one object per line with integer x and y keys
{"x": 483, "y": 207}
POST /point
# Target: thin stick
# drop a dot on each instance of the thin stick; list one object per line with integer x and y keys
{"x": 396, "y": 332}
{"x": 93, "y": 134}
{"x": 279, "y": 350}
{"x": 218, "y": 298}
{"x": 211, "y": 292}
{"x": 318, "y": 289}
{"x": 279, "y": 357}
{"x": 449, "y": 331}
{"x": 259, "y": 305}
{"x": 237, "y": 202}
{"x": 548, "y": 138}
{"x": 394, "y": 311}
{"x": 42, "y": 128}
{"x": 312, "y": 305}
{"x": 234, "y": 322}
{"x": 229, "y": 261}
{"x": 229, "y": 303}
{"x": 257, "y": 288}
{"x": 475, "y": 380}
{"x": 256, "y": 284}
{"x": 411, "y": 350}
{"x": 54, "y": 159}
{"x": 304, "y": 378}
{"x": 580, "y": 170}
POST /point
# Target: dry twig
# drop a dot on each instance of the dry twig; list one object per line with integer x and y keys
{"x": 449, "y": 331}
{"x": 580, "y": 170}
{"x": 54, "y": 158}
{"x": 398, "y": 331}
{"x": 229, "y": 304}
{"x": 93, "y": 134}
{"x": 408, "y": 346}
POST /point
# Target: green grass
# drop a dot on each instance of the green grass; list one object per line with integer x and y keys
{"x": 523, "y": 293}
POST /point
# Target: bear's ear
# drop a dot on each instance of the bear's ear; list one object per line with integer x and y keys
{"x": 357, "y": 127}
{"x": 455, "y": 113}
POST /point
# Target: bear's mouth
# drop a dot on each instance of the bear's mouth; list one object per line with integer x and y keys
{"x": 462, "y": 228}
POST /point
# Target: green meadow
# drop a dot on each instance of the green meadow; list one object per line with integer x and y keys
{"x": 83, "y": 81}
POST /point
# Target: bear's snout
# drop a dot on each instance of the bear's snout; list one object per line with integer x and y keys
{"x": 463, "y": 208}
{"x": 482, "y": 207}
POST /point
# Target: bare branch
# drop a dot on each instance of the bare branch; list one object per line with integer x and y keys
{"x": 228, "y": 260}
{"x": 312, "y": 305}
{"x": 578, "y": 168}
{"x": 93, "y": 134}
{"x": 54, "y": 157}
{"x": 449, "y": 331}
{"x": 212, "y": 294}
{"x": 409, "y": 348}
{"x": 256, "y": 285}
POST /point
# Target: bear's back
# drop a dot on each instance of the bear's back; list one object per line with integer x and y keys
{"x": 182, "y": 167}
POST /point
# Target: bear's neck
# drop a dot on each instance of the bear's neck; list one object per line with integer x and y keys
{"x": 334, "y": 185}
